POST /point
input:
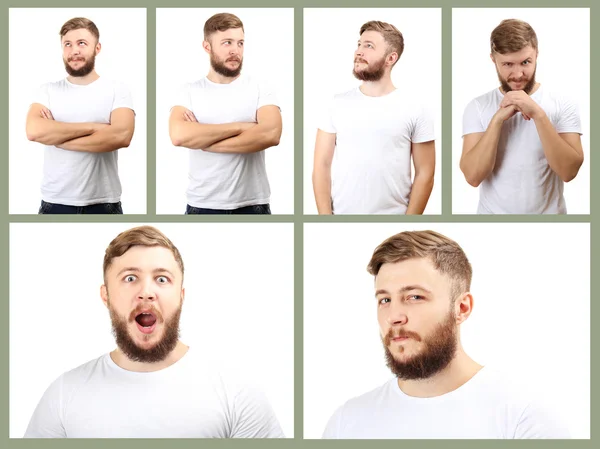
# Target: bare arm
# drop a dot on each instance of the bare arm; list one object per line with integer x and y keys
{"x": 479, "y": 149}
{"x": 185, "y": 131}
{"x": 42, "y": 128}
{"x": 424, "y": 160}
{"x": 265, "y": 134}
{"x": 563, "y": 151}
{"x": 324, "y": 149}
{"x": 112, "y": 137}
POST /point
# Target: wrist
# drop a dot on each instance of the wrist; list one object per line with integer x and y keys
{"x": 539, "y": 114}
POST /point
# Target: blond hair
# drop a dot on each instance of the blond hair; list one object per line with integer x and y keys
{"x": 221, "y": 22}
{"x": 78, "y": 23}
{"x": 512, "y": 35}
{"x": 392, "y": 36}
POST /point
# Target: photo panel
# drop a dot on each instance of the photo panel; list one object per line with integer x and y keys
{"x": 86, "y": 175}
{"x": 529, "y": 325}
{"x": 236, "y": 317}
{"x": 523, "y": 180}
{"x": 268, "y": 59}
{"x": 379, "y": 154}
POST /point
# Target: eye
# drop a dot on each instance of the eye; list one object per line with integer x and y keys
{"x": 525, "y": 62}
{"x": 415, "y": 297}
{"x": 162, "y": 279}
{"x": 241, "y": 44}
{"x": 369, "y": 45}
{"x": 81, "y": 43}
{"x": 227, "y": 42}
{"x": 383, "y": 301}
{"x": 130, "y": 278}
{"x": 507, "y": 64}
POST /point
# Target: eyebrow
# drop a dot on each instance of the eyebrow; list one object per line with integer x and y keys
{"x": 137, "y": 270}
{"x": 366, "y": 42}
{"x": 404, "y": 289}
{"x": 231, "y": 39}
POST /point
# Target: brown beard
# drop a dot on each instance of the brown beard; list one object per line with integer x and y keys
{"x": 84, "y": 70}
{"x": 156, "y": 353}
{"x": 221, "y": 69}
{"x": 373, "y": 72}
{"x": 439, "y": 349}
{"x": 527, "y": 88}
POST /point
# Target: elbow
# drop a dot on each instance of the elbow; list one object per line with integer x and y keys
{"x": 176, "y": 140}
{"x": 570, "y": 175}
{"x": 273, "y": 137}
{"x": 469, "y": 177}
{"x": 32, "y": 136}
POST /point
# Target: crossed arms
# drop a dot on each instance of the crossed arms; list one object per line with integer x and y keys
{"x": 423, "y": 158}
{"x": 237, "y": 137}
{"x": 563, "y": 151}
{"x": 88, "y": 136}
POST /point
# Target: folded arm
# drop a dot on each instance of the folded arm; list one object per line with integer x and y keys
{"x": 424, "y": 159}
{"x": 185, "y": 131}
{"x": 116, "y": 135}
{"x": 42, "y": 128}
{"x": 563, "y": 151}
{"x": 265, "y": 134}
{"x": 324, "y": 149}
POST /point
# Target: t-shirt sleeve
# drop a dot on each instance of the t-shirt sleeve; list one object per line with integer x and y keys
{"x": 423, "y": 129}
{"x": 267, "y": 96}
{"x": 40, "y": 95}
{"x": 253, "y": 416}
{"x": 326, "y": 118}
{"x": 537, "y": 422}
{"x": 46, "y": 421}
{"x": 182, "y": 97}
{"x": 332, "y": 430}
{"x": 472, "y": 119}
{"x": 122, "y": 97}
{"x": 569, "y": 120}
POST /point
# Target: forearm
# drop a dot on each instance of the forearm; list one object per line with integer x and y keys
{"x": 420, "y": 193}
{"x": 322, "y": 189}
{"x": 257, "y": 138}
{"x": 51, "y": 132}
{"x": 479, "y": 162}
{"x": 563, "y": 159}
{"x": 199, "y": 136}
{"x": 106, "y": 140}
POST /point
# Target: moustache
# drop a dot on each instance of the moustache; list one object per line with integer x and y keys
{"x": 147, "y": 309}
{"x": 233, "y": 59}
{"x": 360, "y": 60}
{"x": 400, "y": 333}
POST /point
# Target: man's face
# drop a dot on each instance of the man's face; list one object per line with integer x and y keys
{"x": 417, "y": 322}
{"x": 144, "y": 295}
{"x": 516, "y": 71}
{"x": 226, "y": 49}
{"x": 79, "y": 52}
{"x": 370, "y": 57}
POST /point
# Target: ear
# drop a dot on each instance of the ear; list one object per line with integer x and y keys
{"x": 98, "y": 48}
{"x": 463, "y": 307}
{"x": 392, "y": 58}
{"x": 182, "y": 295}
{"x": 104, "y": 295}
{"x": 492, "y": 58}
{"x": 206, "y": 46}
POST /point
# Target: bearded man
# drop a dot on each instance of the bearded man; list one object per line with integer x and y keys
{"x": 152, "y": 385}
{"x": 367, "y": 136}
{"x": 82, "y": 120}
{"x": 521, "y": 141}
{"x": 227, "y": 120}
{"x": 422, "y": 283}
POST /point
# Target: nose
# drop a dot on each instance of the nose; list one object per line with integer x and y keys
{"x": 146, "y": 292}
{"x": 397, "y": 314}
{"x": 358, "y": 52}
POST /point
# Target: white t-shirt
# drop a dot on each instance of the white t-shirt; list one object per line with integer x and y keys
{"x": 80, "y": 178}
{"x": 371, "y": 169}
{"x": 522, "y": 181}
{"x": 488, "y": 406}
{"x": 218, "y": 180}
{"x": 189, "y": 399}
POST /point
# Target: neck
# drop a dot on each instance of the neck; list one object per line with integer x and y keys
{"x": 220, "y": 79}
{"x": 378, "y": 88}
{"x": 83, "y": 80}
{"x": 460, "y": 370}
{"x": 141, "y": 367}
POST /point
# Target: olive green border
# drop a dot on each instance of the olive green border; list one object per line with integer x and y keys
{"x": 298, "y": 219}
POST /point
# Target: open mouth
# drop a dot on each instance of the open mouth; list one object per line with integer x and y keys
{"x": 146, "y": 322}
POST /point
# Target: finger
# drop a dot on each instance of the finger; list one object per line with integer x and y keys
{"x": 193, "y": 117}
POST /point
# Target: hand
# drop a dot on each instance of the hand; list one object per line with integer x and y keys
{"x": 189, "y": 116}
{"x": 45, "y": 113}
{"x": 524, "y": 104}
{"x": 504, "y": 113}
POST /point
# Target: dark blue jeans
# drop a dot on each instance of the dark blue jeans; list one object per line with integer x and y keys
{"x": 102, "y": 208}
{"x": 258, "y": 209}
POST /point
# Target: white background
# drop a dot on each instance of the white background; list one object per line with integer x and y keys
{"x": 237, "y": 276}
{"x": 180, "y": 59}
{"x": 563, "y": 65}
{"x": 35, "y": 58}
{"x": 531, "y": 314}
{"x": 329, "y": 45}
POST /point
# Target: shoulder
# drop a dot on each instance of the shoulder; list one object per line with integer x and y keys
{"x": 486, "y": 100}
{"x": 347, "y": 95}
{"x": 83, "y": 373}
{"x": 364, "y": 404}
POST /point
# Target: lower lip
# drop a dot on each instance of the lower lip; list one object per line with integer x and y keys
{"x": 145, "y": 330}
